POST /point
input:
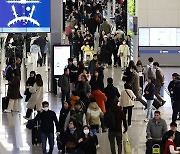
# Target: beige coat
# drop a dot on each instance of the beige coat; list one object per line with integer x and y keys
{"x": 124, "y": 50}
{"x": 93, "y": 114}
{"x": 36, "y": 97}
{"x": 125, "y": 100}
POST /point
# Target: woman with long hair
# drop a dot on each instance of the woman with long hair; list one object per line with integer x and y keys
{"x": 36, "y": 98}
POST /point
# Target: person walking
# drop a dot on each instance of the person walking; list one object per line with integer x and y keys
{"x": 111, "y": 93}
{"x": 47, "y": 118}
{"x": 35, "y": 54}
{"x": 115, "y": 133}
{"x": 149, "y": 92}
{"x": 36, "y": 98}
{"x": 127, "y": 101}
{"x": 124, "y": 54}
{"x": 13, "y": 93}
{"x": 87, "y": 142}
{"x": 93, "y": 115}
{"x": 159, "y": 82}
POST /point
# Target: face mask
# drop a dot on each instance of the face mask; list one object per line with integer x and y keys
{"x": 86, "y": 131}
{"x": 45, "y": 109}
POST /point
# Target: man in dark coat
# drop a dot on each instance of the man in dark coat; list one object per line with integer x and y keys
{"x": 111, "y": 93}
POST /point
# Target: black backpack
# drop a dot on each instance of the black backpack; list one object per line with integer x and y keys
{"x": 109, "y": 119}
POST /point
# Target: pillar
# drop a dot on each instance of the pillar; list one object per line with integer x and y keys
{"x": 55, "y": 35}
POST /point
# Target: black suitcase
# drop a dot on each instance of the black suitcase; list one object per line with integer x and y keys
{"x": 154, "y": 147}
{"x": 5, "y": 100}
{"x": 36, "y": 134}
{"x": 157, "y": 104}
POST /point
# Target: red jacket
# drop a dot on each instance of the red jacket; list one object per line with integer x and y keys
{"x": 168, "y": 143}
{"x": 100, "y": 99}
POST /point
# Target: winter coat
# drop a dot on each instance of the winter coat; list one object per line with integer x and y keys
{"x": 100, "y": 99}
{"x": 29, "y": 82}
{"x": 106, "y": 51}
{"x": 92, "y": 66}
{"x": 127, "y": 100}
{"x": 73, "y": 100}
{"x": 159, "y": 78}
{"x": 124, "y": 50}
{"x": 73, "y": 73}
{"x": 156, "y": 129}
{"x": 64, "y": 83}
{"x": 62, "y": 118}
{"x": 96, "y": 83}
{"x": 105, "y": 27}
{"x": 150, "y": 88}
{"x": 111, "y": 93}
{"x": 93, "y": 114}
{"x": 14, "y": 88}
{"x": 83, "y": 87}
{"x": 36, "y": 97}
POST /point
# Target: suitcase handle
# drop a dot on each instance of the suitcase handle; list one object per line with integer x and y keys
{"x": 6, "y": 85}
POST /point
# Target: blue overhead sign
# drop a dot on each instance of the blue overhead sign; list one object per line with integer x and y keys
{"x": 159, "y": 51}
{"x": 24, "y": 15}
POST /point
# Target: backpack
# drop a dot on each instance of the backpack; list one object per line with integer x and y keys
{"x": 5, "y": 71}
{"x": 97, "y": 19}
{"x": 60, "y": 81}
{"x": 109, "y": 119}
{"x": 150, "y": 72}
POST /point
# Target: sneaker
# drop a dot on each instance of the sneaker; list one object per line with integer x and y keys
{"x": 7, "y": 111}
{"x": 97, "y": 146}
{"x": 129, "y": 125}
{"x": 115, "y": 65}
{"x": 146, "y": 120}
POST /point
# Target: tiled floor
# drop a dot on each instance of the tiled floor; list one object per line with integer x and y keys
{"x": 16, "y": 139}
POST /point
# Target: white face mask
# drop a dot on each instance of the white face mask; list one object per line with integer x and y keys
{"x": 45, "y": 109}
{"x": 86, "y": 131}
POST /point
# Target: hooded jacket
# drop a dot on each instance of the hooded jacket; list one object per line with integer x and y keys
{"x": 100, "y": 99}
{"x": 93, "y": 114}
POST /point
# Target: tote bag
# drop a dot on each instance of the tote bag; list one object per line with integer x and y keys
{"x": 126, "y": 144}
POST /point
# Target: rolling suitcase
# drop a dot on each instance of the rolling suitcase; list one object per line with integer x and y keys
{"x": 5, "y": 100}
{"x": 36, "y": 134}
{"x": 157, "y": 104}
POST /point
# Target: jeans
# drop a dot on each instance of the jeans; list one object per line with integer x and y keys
{"x": 118, "y": 136}
{"x": 129, "y": 110}
{"x": 65, "y": 94}
{"x": 50, "y": 137}
{"x": 149, "y": 109}
{"x": 94, "y": 129}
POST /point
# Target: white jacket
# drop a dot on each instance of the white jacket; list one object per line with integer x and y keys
{"x": 36, "y": 97}
{"x": 125, "y": 100}
{"x": 35, "y": 49}
{"x": 124, "y": 48}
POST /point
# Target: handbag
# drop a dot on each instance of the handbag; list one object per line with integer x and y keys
{"x": 126, "y": 144}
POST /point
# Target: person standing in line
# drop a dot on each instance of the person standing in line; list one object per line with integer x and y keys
{"x": 124, "y": 54}
{"x": 159, "y": 82}
{"x": 127, "y": 101}
{"x": 149, "y": 96}
{"x": 47, "y": 118}
{"x": 35, "y": 54}
{"x": 64, "y": 83}
{"x": 36, "y": 98}
{"x": 13, "y": 93}
{"x": 116, "y": 132}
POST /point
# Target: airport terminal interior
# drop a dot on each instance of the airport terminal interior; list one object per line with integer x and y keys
{"x": 78, "y": 33}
